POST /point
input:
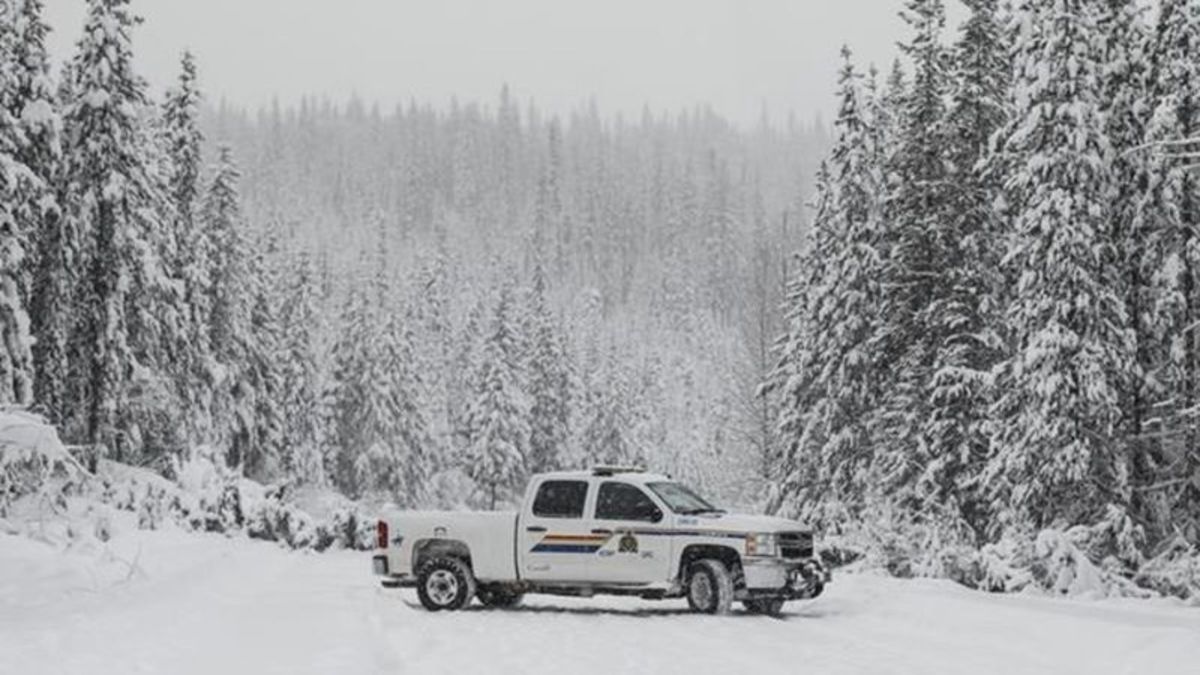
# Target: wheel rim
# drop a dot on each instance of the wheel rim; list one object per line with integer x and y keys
{"x": 442, "y": 587}
{"x": 702, "y": 591}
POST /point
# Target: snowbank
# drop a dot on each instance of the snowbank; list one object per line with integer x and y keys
{"x": 49, "y": 499}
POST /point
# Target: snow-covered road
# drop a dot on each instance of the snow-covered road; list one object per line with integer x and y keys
{"x": 174, "y": 604}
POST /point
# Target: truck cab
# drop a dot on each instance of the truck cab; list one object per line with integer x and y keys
{"x": 609, "y": 530}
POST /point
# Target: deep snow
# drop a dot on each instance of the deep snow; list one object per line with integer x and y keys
{"x": 177, "y": 603}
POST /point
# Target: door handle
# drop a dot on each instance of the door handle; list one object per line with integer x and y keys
{"x": 535, "y": 528}
{"x": 601, "y": 530}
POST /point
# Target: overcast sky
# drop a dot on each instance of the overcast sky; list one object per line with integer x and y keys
{"x": 736, "y": 55}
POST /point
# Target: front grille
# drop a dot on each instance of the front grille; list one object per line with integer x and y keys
{"x": 795, "y": 545}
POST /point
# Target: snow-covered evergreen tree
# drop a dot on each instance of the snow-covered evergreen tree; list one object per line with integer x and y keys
{"x": 968, "y": 342}
{"x": 115, "y": 202}
{"x": 549, "y": 383}
{"x": 189, "y": 252}
{"x": 918, "y": 254}
{"x": 259, "y": 413}
{"x": 831, "y": 361}
{"x": 398, "y": 461}
{"x": 50, "y": 274}
{"x": 300, "y": 395}
{"x": 1055, "y": 455}
{"x": 357, "y": 409}
{"x": 1166, "y": 217}
{"x": 227, "y": 305}
{"x": 16, "y": 182}
{"x": 497, "y": 420}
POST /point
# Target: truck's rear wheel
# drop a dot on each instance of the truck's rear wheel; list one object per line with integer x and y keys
{"x": 710, "y": 587}
{"x": 767, "y": 606}
{"x": 498, "y": 596}
{"x": 445, "y": 583}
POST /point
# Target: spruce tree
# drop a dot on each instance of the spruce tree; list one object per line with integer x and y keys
{"x": 300, "y": 394}
{"x": 549, "y": 382}
{"x": 115, "y": 203}
{"x": 833, "y": 383}
{"x": 1125, "y": 107}
{"x": 189, "y": 253}
{"x": 1166, "y": 217}
{"x": 968, "y": 313}
{"x": 918, "y": 254}
{"x": 259, "y": 396}
{"x": 50, "y": 271}
{"x": 398, "y": 463}
{"x": 16, "y": 182}
{"x": 221, "y": 310}
{"x": 1055, "y": 456}
{"x": 497, "y": 421}
{"x": 358, "y": 410}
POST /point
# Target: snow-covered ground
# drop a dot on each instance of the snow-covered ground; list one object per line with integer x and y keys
{"x": 177, "y": 603}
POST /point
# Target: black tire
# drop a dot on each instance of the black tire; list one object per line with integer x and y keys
{"x": 499, "y": 597}
{"x": 445, "y": 583}
{"x": 710, "y": 587}
{"x": 764, "y": 606}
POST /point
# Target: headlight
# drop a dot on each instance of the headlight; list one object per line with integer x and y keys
{"x": 763, "y": 545}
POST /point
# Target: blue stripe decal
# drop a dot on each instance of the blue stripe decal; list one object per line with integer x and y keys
{"x": 566, "y": 548}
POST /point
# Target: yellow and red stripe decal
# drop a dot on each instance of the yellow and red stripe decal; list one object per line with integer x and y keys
{"x": 571, "y": 543}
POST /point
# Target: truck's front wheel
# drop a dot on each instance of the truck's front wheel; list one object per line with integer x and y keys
{"x": 445, "y": 583}
{"x": 710, "y": 587}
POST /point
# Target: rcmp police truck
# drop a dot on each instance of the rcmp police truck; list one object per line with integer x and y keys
{"x": 609, "y": 531}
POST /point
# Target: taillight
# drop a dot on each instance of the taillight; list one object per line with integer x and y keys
{"x": 381, "y": 534}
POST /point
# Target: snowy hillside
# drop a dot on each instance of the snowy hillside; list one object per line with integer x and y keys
{"x": 205, "y": 604}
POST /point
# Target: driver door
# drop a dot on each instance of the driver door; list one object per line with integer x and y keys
{"x": 638, "y": 550}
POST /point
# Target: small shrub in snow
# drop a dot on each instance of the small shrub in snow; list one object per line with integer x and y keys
{"x": 272, "y": 519}
{"x": 30, "y": 453}
{"x": 1175, "y": 570}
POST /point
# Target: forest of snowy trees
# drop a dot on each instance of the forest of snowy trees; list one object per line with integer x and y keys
{"x": 422, "y": 305}
{"x": 971, "y": 325}
{"x": 992, "y": 332}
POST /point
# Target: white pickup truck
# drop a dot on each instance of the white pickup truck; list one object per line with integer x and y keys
{"x": 607, "y": 531}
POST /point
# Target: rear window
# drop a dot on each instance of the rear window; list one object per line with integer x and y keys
{"x": 560, "y": 499}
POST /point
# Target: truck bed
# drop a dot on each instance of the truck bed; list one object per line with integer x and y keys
{"x": 490, "y": 535}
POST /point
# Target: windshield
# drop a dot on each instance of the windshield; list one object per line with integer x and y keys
{"x": 682, "y": 500}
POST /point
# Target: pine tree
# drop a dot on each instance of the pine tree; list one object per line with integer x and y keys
{"x": 1166, "y": 217}
{"x": 497, "y": 420}
{"x": 1123, "y": 84}
{"x": 50, "y": 272}
{"x": 398, "y": 462}
{"x": 1054, "y": 451}
{"x": 16, "y": 182}
{"x": 969, "y": 344}
{"x": 222, "y": 236}
{"x": 221, "y": 310}
{"x": 549, "y": 382}
{"x": 358, "y": 412}
{"x": 189, "y": 253}
{"x": 259, "y": 414}
{"x": 300, "y": 378}
{"x": 114, "y": 202}
{"x": 433, "y": 354}
{"x": 607, "y": 433}
{"x": 832, "y": 384}
{"x": 918, "y": 255}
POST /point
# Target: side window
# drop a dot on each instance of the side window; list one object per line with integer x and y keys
{"x": 560, "y": 499}
{"x": 621, "y": 501}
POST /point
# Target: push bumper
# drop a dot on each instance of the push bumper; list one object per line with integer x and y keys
{"x": 794, "y": 580}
